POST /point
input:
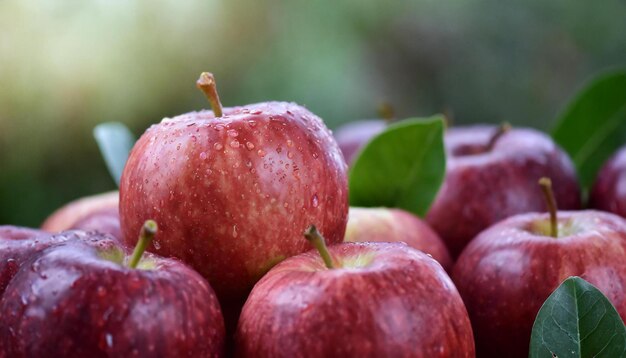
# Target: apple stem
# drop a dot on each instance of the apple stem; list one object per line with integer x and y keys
{"x": 148, "y": 230}
{"x": 502, "y": 129}
{"x": 386, "y": 112}
{"x": 206, "y": 83}
{"x": 548, "y": 193}
{"x": 317, "y": 240}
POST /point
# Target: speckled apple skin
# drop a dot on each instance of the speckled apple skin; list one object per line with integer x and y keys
{"x": 352, "y": 136}
{"x": 482, "y": 189}
{"x": 507, "y": 272}
{"x": 402, "y": 304}
{"x": 18, "y": 244}
{"x": 609, "y": 190}
{"x": 92, "y": 213}
{"x": 395, "y": 225}
{"x": 69, "y": 302}
{"x": 233, "y": 195}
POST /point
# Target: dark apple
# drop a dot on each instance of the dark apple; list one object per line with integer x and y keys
{"x": 395, "y": 225}
{"x": 352, "y": 136}
{"x": 98, "y": 212}
{"x": 91, "y": 299}
{"x": 357, "y": 299}
{"x": 19, "y": 244}
{"x": 609, "y": 190}
{"x": 234, "y": 188}
{"x": 492, "y": 174}
{"x": 506, "y": 273}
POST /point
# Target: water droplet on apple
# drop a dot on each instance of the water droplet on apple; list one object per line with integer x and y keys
{"x": 109, "y": 339}
{"x": 156, "y": 244}
{"x": 249, "y": 145}
{"x": 314, "y": 201}
{"x": 232, "y": 132}
{"x": 234, "y": 230}
{"x": 289, "y": 143}
{"x": 286, "y": 205}
{"x": 289, "y": 155}
{"x": 249, "y": 164}
{"x": 234, "y": 144}
{"x": 261, "y": 153}
{"x": 202, "y": 155}
{"x": 315, "y": 155}
{"x": 251, "y": 123}
{"x": 218, "y": 146}
{"x": 256, "y": 112}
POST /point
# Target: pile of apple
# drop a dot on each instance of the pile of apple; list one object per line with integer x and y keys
{"x": 236, "y": 207}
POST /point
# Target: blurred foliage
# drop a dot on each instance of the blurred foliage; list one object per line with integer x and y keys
{"x": 66, "y": 66}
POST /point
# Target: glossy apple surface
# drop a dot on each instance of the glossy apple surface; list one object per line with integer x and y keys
{"x": 395, "y": 225}
{"x": 233, "y": 194}
{"x": 483, "y": 186}
{"x": 510, "y": 269}
{"x": 98, "y": 212}
{"x": 609, "y": 190}
{"x": 352, "y": 136}
{"x": 382, "y": 300}
{"x": 79, "y": 300}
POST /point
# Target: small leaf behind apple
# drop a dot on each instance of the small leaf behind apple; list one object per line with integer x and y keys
{"x": 115, "y": 141}
{"x": 593, "y": 125}
{"x": 402, "y": 167}
{"x": 577, "y": 320}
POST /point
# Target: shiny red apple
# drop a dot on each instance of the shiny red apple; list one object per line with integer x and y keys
{"x": 232, "y": 189}
{"x": 93, "y": 299}
{"x": 395, "y": 225}
{"x": 609, "y": 190}
{"x": 97, "y": 212}
{"x": 506, "y": 273}
{"x": 492, "y": 174}
{"x": 357, "y": 300}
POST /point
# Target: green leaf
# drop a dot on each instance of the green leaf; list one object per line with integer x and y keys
{"x": 402, "y": 167}
{"x": 593, "y": 125}
{"x": 577, "y": 320}
{"x": 115, "y": 141}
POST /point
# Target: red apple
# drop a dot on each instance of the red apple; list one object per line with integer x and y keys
{"x": 492, "y": 174}
{"x": 506, "y": 273}
{"x": 234, "y": 188}
{"x": 89, "y": 299}
{"x": 359, "y": 299}
{"x": 609, "y": 190}
{"x": 395, "y": 225}
{"x": 352, "y": 137}
{"x": 18, "y": 244}
{"x": 97, "y": 212}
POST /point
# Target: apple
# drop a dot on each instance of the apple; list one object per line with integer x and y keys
{"x": 355, "y": 299}
{"x": 352, "y": 136}
{"x": 395, "y": 225}
{"x": 91, "y": 299}
{"x": 234, "y": 188}
{"x": 97, "y": 212}
{"x": 609, "y": 190}
{"x": 506, "y": 273}
{"x": 491, "y": 174}
{"x": 18, "y": 244}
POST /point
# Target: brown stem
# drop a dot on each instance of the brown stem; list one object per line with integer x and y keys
{"x": 206, "y": 83}
{"x": 317, "y": 240}
{"x": 548, "y": 193}
{"x": 497, "y": 134}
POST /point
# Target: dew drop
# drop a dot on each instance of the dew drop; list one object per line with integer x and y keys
{"x": 289, "y": 143}
{"x": 203, "y": 155}
{"x": 157, "y": 245}
{"x": 249, "y": 145}
{"x": 314, "y": 201}
{"x": 289, "y": 155}
{"x": 261, "y": 153}
{"x": 232, "y": 132}
{"x": 251, "y": 123}
{"x": 235, "y": 144}
{"x": 218, "y": 146}
{"x": 315, "y": 155}
{"x": 109, "y": 339}
{"x": 235, "y": 231}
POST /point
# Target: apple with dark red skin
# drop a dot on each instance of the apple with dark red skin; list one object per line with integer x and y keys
{"x": 609, "y": 190}
{"x": 352, "y": 137}
{"x": 395, "y": 225}
{"x": 492, "y": 174}
{"x": 89, "y": 299}
{"x": 357, "y": 300}
{"x": 506, "y": 273}
{"x": 234, "y": 188}
{"x": 98, "y": 212}
{"x": 19, "y": 244}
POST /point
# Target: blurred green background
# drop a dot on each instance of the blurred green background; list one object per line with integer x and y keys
{"x": 66, "y": 66}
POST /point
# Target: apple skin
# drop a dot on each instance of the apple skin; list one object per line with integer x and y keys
{"x": 352, "y": 136}
{"x": 483, "y": 187}
{"x": 232, "y": 195}
{"x": 609, "y": 190}
{"x": 19, "y": 244}
{"x": 507, "y": 272}
{"x": 395, "y": 225}
{"x": 98, "y": 212}
{"x": 392, "y": 301}
{"x": 71, "y": 301}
